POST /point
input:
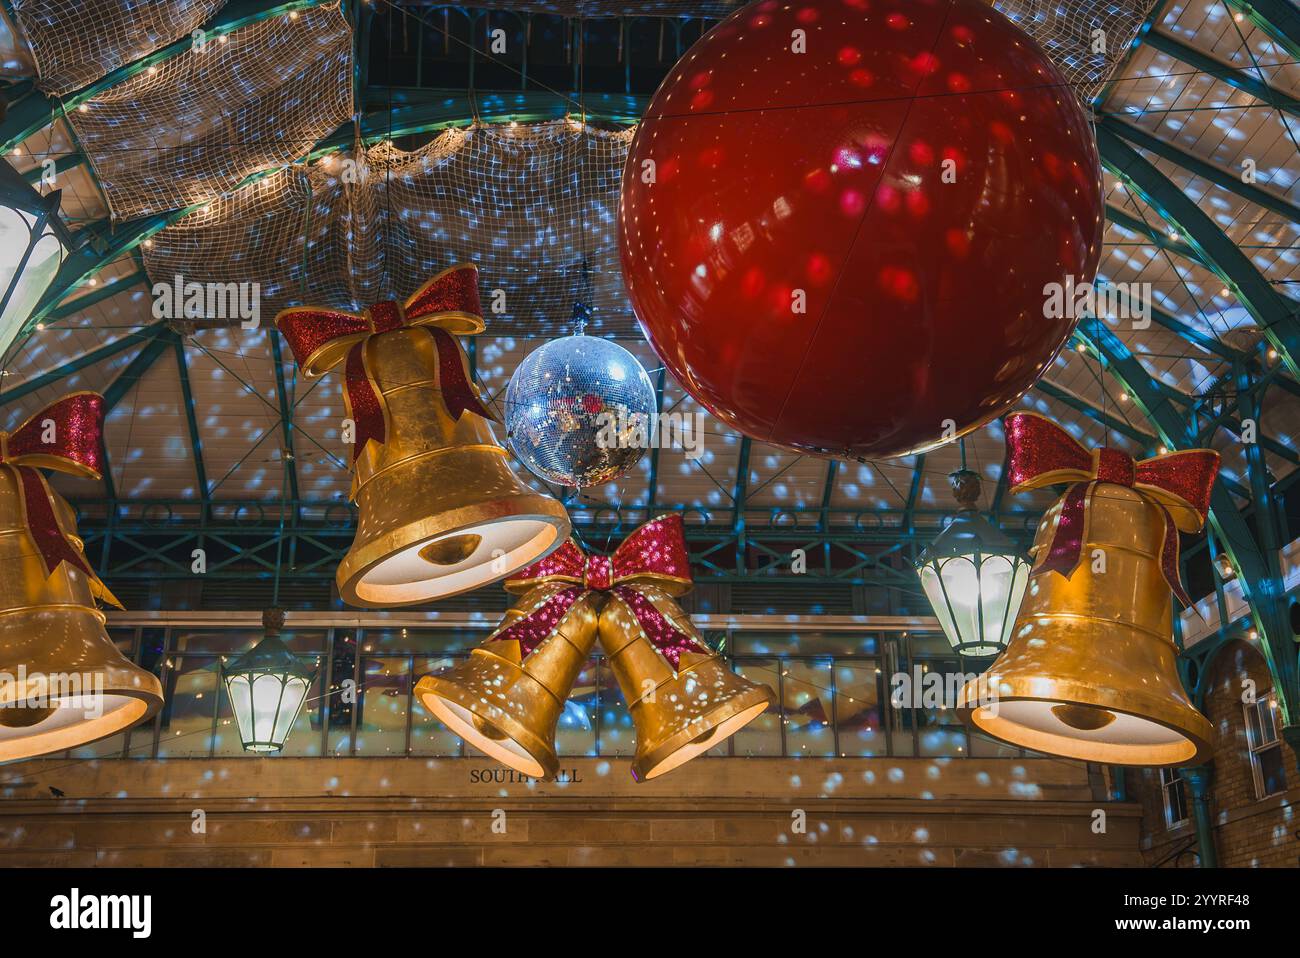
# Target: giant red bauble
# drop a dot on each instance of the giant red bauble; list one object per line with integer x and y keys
{"x": 845, "y": 250}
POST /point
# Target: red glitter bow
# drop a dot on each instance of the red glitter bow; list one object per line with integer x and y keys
{"x": 64, "y": 436}
{"x": 1040, "y": 453}
{"x": 447, "y": 304}
{"x": 654, "y": 554}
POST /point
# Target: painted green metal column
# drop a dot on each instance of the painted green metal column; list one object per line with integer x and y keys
{"x": 1198, "y": 779}
{"x": 738, "y": 497}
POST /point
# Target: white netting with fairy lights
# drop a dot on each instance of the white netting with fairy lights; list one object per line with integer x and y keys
{"x": 76, "y": 42}
{"x": 196, "y": 124}
{"x": 534, "y": 205}
{"x": 1086, "y": 39}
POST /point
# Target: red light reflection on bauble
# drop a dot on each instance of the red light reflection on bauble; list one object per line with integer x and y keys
{"x": 793, "y": 180}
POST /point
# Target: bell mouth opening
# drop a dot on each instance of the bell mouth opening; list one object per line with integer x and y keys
{"x": 26, "y": 732}
{"x": 489, "y": 739}
{"x": 1087, "y": 732}
{"x": 450, "y": 564}
{"x": 704, "y": 741}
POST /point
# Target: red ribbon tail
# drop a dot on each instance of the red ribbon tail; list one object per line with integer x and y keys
{"x": 364, "y": 404}
{"x": 453, "y": 377}
{"x": 1169, "y": 560}
{"x": 44, "y": 527}
{"x": 1067, "y": 540}
{"x": 537, "y": 626}
{"x": 668, "y": 640}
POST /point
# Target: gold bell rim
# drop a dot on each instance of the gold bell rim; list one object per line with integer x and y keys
{"x": 1190, "y": 743}
{"x": 133, "y": 706}
{"x": 355, "y": 572}
{"x": 457, "y": 709}
{"x": 729, "y": 718}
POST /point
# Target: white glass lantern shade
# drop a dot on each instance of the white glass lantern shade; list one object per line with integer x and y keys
{"x": 33, "y": 245}
{"x": 975, "y": 598}
{"x": 267, "y": 688}
{"x": 973, "y": 576}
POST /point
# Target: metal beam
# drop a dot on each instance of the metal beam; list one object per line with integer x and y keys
{"x": 134, "y": 372}
{"x": 1154, "y": 236}
{"x": 1278, "y": 18}
{"x": 151, "y": 539}
{"x": 286, "y": 416}
{"x": 1261, "y": 582}
{"x": 1208, "y": 171}
{"x": 1210, "y": 344}
{"x": 82, "y": 362}
{"x": 37, "y": 110}
{"x": 828, "y": 490}
{"x": 428, "y": 111}
{"x": 1275, "y": 315}
{"x": 191, "y": 417}
{"x": 1093, "y": 413}
{"x": 71, "y": 307}
{"x": 652, "y": 486}
{"x": 1255, "y": 86}
{"x": 914, "y": 491}
{"x": 738, "y": 500}
{"x": 62, "y": 164}
{"x": 100, "y": 244}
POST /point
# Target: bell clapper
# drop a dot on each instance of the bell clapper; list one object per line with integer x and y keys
{"x": 1083, "y": 717}
{"x": 24, "y": 717}
{"x": 451, "y": 550}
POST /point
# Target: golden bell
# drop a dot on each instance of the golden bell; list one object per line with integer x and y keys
{"x": 440, "y": 510}
{"x": 507, "y": 706}
{"x": 677, "y": 714}
{"x": 1090, "y": 670}
{"x": 73, "y": 684}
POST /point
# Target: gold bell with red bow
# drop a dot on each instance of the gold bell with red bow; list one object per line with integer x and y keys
{"x": 683, "y": 698}
{"x": 506, "y": 700}
{"x": 440, "y": 511}
{"x": 63, "y": 683}
{"x": 1090, "y": 672}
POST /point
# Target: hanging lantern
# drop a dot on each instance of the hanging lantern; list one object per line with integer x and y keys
{"x": 440, "y": 510}
{"x": 63, "y": 683}
{"x": 1090, "y": 669}
{"x": 972, "y": 575}
{"x": 267, "y": 687}
{"x": 33, "y": 244}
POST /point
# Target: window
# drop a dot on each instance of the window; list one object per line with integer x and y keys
{"x": 1266, "y": 761}
{"x": 1175, "y": 792}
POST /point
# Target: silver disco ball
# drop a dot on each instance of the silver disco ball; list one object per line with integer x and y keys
{"x": 578, "y": 411}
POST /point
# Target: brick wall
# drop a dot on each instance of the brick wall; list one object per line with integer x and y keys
{"x": 1248, "y": 831}
{"x": 406, "y": 811}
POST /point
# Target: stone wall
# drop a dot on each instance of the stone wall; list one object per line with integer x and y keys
{"x": 410, "y": 811}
